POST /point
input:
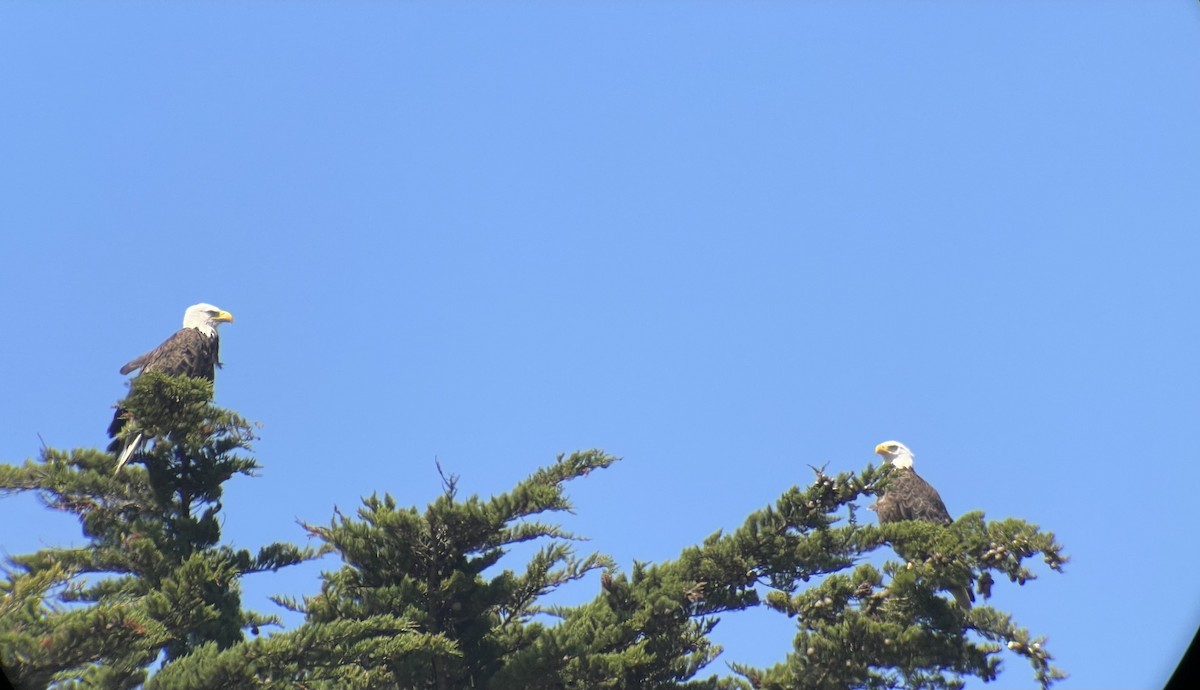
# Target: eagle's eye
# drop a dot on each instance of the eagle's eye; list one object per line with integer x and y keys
{"x": 892, "y": 448}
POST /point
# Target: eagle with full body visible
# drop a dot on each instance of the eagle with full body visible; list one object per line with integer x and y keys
{"x": 192, "y": 351}
{"x": 909, "y": 497}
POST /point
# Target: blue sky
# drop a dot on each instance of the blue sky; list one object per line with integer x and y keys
{"x": 721, "y": 240}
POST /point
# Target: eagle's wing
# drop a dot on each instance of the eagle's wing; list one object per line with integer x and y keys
{"x": 186, "y": 353}
{"x": 925, "y": 503}
{"x": 137, "y": 363}
{"x": 911, "y": 498}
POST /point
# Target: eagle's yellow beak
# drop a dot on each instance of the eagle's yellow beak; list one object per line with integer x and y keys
{"x": 881, "y": 449}
{"x": 223, "y": 317}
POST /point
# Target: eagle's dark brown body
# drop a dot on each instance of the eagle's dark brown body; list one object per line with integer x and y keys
{"x": 188, "y": 352}
{"x": 909, "y": 497}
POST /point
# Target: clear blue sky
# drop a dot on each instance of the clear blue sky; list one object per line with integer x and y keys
{"x": 721, "y": 240}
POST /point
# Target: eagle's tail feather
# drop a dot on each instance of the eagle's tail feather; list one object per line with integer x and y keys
{"x": 130, "y": 448}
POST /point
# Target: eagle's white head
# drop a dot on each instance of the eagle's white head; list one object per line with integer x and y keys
{"x": 205, "y": 318}
{"x": 896, "y": 453}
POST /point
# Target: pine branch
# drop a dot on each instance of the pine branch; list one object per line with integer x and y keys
{"x": 384, "y": 651}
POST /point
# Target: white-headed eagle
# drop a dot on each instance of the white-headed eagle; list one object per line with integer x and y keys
{"x": 909, "y": 497}
{"x": 192, "y": 351}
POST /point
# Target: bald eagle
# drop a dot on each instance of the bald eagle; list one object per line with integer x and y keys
{"x": 192, "y": 351}
{"x": 909, "y": 497}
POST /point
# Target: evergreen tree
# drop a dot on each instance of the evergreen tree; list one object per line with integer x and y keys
{"x": 858, "y": 627}
{"x": 866, "y": 628}
{"x": 152, "y": 581}
{"x": 425, "y": 599}
{"x": 413, "y": 608}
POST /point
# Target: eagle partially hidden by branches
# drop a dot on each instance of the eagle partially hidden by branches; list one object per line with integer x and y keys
{"x": 909, "y": 497}
{"x": 192, "y": 351}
